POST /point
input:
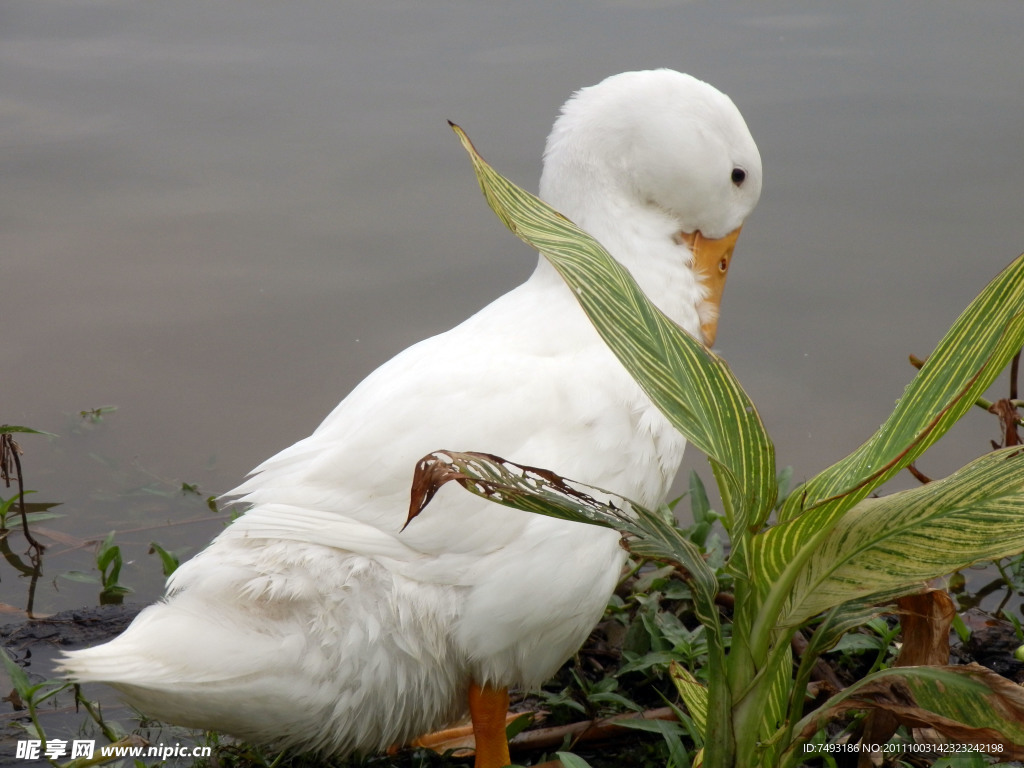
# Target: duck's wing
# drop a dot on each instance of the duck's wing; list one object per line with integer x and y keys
{"x": 483, "y": 386}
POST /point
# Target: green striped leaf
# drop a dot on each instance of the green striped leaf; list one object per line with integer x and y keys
{"x": 694, "y": 695}
{"x": 693, "y": 387}
{"x": 893, "y": 544}
{"x": 966, "y": 361}
{"x": 759, "y": 713}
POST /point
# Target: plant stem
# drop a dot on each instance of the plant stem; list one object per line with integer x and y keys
{"x": 12, "y": 450}
{"x": 95, "y": 714}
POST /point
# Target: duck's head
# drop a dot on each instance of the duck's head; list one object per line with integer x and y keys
{"x": 671, "y": 153}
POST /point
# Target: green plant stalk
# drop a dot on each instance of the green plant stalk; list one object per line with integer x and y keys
{"x": 740, "y": 664}
{"x": 752, "y": 670}
{"x": 743, "y": 665}
{"x": 797, "y": 693}
{"x": 757, "y": 719}
{"x": 768, "y": 642}
{"x": 728, "y": 503}
{"x": 95, "y": 713}
{"x": 723, "y": 732}
{"x": 745, "y": 672}
{"x": 773, "y": 602}
{"x": 719, "y": 731}
{"x": 836, "y": 623}
{"x": 719, "y": 728}
{"x": 886, "y": 639}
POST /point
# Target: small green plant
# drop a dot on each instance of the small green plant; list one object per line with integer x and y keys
{"x": 875, "y": 642}
{"x": 168, "y": 560}
{"x": 1012, "y": 572}
{"x": 826, "y": 555}
{"x": 962, "y": 630}
{"x": 95, "y": 415}
{"x": 1018, "y": 630}
{"x": 109, "y": 563}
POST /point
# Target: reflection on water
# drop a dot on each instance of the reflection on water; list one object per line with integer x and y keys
{"x": 220, "y": 216}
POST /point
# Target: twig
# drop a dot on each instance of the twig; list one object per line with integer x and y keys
{"x": 9, "y": 453}
{"x": 917, "y": 473}
{"x": 588, "y": 730}
{"x": 460, "y": 738}
{"x": 95, "y": 714}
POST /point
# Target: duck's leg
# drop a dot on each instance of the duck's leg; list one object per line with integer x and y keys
{"x": 488, "y": 707}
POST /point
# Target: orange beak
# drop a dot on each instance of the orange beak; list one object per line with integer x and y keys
{"x": 711, "y": 259}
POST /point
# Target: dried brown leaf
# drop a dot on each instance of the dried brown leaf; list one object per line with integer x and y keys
{"x": 1006, "y": 411}
{"x": 925, "y": 619}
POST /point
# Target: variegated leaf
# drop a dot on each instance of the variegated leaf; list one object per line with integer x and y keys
{"x": 894, "y": 544}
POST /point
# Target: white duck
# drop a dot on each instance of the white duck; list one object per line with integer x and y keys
{"x": 315, "y": 621}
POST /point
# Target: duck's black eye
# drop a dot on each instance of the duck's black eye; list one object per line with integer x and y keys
{"x": 738, "y": 175}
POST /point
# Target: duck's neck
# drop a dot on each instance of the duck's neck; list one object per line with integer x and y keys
{"x": 642, "y": 239}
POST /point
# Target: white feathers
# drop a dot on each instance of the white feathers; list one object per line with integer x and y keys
{"x": 657, "y": 139}
{"x": 315, "y": 620}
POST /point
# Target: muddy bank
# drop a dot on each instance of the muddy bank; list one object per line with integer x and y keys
{"x": 69, "y": 629}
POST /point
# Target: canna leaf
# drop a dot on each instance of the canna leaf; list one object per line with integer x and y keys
{"x": 892, "y": 545}
{"x": 693, "y": 693}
